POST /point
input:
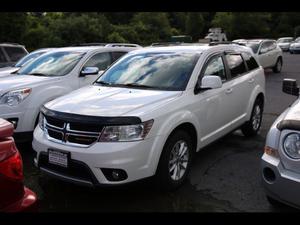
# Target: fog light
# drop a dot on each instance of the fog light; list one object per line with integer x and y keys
{"x": 14, "y": 121}
{"x": 269, "y": 175}
{"x": 114, "y": 174}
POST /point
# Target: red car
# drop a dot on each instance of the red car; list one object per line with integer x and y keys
{"x": 14, "y": 197}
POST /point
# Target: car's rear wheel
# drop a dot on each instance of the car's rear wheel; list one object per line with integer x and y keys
{"x": 175, "y": 161}
{"x": 251, "y": 127}
{"x": 278, "y": 66}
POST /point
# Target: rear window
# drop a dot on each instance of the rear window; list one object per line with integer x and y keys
{"x": 250, "y": 61}
{"x": 236, "y": 64}
{"x": 15, "y": 53}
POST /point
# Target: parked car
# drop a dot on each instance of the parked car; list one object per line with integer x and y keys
{"x": 10, "y": 53}
{"x": 51, "y": 75}
{"x": 268, "y": 53}
{"x": 6, "y": 71}
{"x": 14, "y": 197}
{"x": 295, "y": 46}
{"x": 280, "y": 166}
{"x": 149, "y": 113}
{"x": 284, "y": 43}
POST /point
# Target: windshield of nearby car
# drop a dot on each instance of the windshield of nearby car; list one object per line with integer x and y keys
{"x": 285, "y": 40}
{"x": 163, "y": 70}
{"x": 253, "y": 45}
{"x": 52, "y": 64}
{"x": 28, "y": 58}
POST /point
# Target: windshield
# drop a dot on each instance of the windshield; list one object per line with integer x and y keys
{"x": 253, "y": 45}
{"x": 284, "y": 40}
{"x": 28, "y": 58}
{"x": 52, "y": 64}
{"x": 164, "y": 71}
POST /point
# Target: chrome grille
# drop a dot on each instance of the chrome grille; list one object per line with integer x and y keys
{"x": 76, "y": 134}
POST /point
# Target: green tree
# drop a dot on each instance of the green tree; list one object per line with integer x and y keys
{"x": 194, "y": 25}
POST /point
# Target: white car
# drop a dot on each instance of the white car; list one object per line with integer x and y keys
{"x": 268, "y": 53}
{"x": 284, "y": 43}
{"x": 149, "y": 113}
{"x": 295, "y": 46}
{"x": 51, "y": 75}
{"x": 280, "y": 168}
{"x": 6, "y": 71}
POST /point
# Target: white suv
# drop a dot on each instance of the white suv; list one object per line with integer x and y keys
{"x": 51, "y": 75}
{"x": 148, "y": 113}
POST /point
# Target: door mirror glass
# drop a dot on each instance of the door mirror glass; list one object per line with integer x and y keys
{"x": 289, "y": 86}
{"x": 210, "y": 82}
{"x": 89, "y": 71}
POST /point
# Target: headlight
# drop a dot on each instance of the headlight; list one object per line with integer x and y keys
{"x": 291, "y": 145}
{"x": 126, "y": 133}
{"x": 13, "y": 98}
{"x": 42, "y": 121}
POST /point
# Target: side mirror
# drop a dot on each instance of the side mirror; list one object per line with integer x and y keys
{"x": 289, "y": 86}
{"x": 262, "y": 51}
{"x": 208, "y": 82}
{"x": 89, "y": 71}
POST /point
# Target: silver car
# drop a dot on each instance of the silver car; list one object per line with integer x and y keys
{"x": 280, "y": 164}
{"x": 284, "y": 43}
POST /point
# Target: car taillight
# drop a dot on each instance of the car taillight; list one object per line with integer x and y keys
{"x": 12, "y": 167}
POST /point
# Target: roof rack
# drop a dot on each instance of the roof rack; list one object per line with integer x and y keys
{"x": 224, "y": 43}
{"x": 90, "y": 44}
{"x": 157, "y": 44}
{"x": 108, "y": 44}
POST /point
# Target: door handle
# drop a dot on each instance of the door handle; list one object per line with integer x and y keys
{"x": 251, "y": 80}
{"x": 228, "y": 91}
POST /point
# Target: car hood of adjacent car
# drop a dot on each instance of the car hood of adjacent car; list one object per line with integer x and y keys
{"x": 6, "y": 71}
{"x": 284, "y": 44}
{"x": 14, "y": 82}
{"x": 291, "y": 117}
{"x": 106, "y": 101}
{"x": 295, "y": 45}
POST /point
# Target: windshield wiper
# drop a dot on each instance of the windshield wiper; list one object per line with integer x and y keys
{"x": 38, "y": 74}
{"x": 102, "y": 82}
{"x": 137, "y": 85}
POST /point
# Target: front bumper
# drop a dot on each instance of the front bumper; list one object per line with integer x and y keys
{"x": 137, "y": 159}
{"x": 286, "y": 185}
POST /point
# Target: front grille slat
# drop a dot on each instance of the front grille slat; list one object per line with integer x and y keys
{"x": 72, "y": 133}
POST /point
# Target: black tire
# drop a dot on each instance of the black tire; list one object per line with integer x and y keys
{"x": 163, "y": 178}
{"x": 291, "y": 52}
{"x": 250, "y": 129}
{"x": 278, "y": 66}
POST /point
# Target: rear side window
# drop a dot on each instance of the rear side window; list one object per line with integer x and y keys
{"x": 2, "y": 57}
{"x": 117, "y": 55}
{"x": 250, "y": 61}
{"x": 100, "y": 60}
{"x": 15, "y": 53}
{"x": 236, "y": 64}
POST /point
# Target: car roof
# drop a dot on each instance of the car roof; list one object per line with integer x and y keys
{"x": 259, "y": 40}
{"x": 12, "y": 44}
{"x": 286, "y": 38}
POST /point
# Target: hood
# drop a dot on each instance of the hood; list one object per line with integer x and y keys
{"x": 4, "y": 72}
{"x": 13, "y": 82}
{"x": 295, "y": 44}
{"x": 110, "y": 101}
{"x": 283, "y": 44}
{"x": 291, "y": 119}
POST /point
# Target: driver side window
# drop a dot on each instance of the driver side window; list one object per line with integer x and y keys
{"x": 100, "y": 60}
{"x": 216, "y": 67}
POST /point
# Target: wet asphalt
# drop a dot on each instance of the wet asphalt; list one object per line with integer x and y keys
{"x": 225, "y": 176}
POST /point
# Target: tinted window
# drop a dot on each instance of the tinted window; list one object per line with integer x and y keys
{"x": 162, "y": 70}
{"x": 216, "y": 67}
{"x": 250, "y": 61}
{"x": 52, "y": 64}
{"x": 265, "y": 47}
{"x": 100, "y": 60}
{"x": 117, "y": 55}
{"x": 236, "y": 64}
{"x": 2, "y": 56}
{"x": 15, "y": 53}
{"x": 253, "y": 45}
{"x": 273, "y": 45}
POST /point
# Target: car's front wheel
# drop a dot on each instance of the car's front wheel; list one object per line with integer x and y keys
{"x": 278, "y": 66}
{"x": 175, "y": 161}
{"x": 251, "y": 127}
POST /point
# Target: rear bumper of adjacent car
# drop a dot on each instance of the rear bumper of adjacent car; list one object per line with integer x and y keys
{"x": 28, "y": 203}
{"x": 92, "y": 166}
{"x": 280, "y": 183}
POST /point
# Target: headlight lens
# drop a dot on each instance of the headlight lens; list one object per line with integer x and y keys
{"x": 126, "y": 133}
{"x": 41, "y": 121}
{"x": 291, "y": 145}
{"x": 13, "y": 98}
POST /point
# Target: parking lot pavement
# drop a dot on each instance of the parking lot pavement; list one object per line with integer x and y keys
{"x": 225, "y": 176}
